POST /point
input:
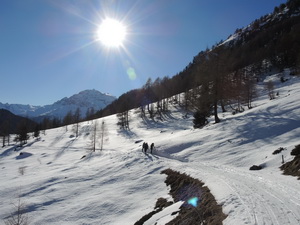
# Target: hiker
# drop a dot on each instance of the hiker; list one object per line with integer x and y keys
{"x": 143, "y": 147}
{"x": 146, "y": 147}
{"x": 151, "y": 147}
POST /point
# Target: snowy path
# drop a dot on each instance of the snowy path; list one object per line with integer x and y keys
{"x": 251, "y": 197}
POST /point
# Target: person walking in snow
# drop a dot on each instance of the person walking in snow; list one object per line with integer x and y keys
{"x": 151, "y": 147}
{"x": 143, "y": 148}
{"x": 146, "y": 147}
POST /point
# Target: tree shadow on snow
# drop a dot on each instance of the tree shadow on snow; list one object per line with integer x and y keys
{"x": 61, "y": 152}
{"x": 160, "y": 121}
{"x": 57, "y": 139}
{"x": 127, "y": 133}
{"x": 271, "y": 128}
{"x": 8, "y": 151}
{"x": 36, "y": 206}
{"x": 17, "y": 148}
{"x": 23, "y": 155}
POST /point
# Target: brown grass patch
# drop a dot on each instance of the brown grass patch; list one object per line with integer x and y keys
{"x": 292, "y": 168}
{"x": 183, "y": 188}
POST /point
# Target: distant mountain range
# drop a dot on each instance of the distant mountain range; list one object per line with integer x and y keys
{"x": 84, "y": 100}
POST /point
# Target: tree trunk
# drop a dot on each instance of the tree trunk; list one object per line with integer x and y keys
{"x": 223, "y": 106}
{"x": 217, "y": 120}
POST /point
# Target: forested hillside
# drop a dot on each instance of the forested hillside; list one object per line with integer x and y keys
{"x": 226, "y": 74}
{"x": 10, "y": 123}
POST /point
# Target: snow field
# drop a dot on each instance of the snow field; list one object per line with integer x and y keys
{"x": 121, "y": 184}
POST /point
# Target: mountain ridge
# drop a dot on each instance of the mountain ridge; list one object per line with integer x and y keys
{"x": 83, "y": 100}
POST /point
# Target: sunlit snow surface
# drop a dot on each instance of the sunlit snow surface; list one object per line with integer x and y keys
{"x": 121, "y": 184}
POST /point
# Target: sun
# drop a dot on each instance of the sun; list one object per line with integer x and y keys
{"x": 111, "y": 33}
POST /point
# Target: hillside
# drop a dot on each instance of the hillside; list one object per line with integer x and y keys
{"x": 121, "y": 184}
{"x": 9, "y": 123}
{"x": 267, "y": 45}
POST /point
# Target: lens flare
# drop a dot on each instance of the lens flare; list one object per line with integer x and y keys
{"x": 131, "y": 73}
{"x": 193, "y": 201}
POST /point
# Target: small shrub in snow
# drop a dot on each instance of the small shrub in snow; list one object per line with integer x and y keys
{"x": 21, "y": 170}
{"x": 200, "y": 119}
{"x": 277, "y": 151}
{"x": 18, "y": 216}
{"x": 282, "y": 79}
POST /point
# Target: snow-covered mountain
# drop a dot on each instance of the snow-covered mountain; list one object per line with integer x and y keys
{"x": 84, "y": 100}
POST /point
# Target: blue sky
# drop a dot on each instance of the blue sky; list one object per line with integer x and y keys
{"x": 48, "y": 49}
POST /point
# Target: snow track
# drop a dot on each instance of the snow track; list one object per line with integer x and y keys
{"x": 251, "y": 197}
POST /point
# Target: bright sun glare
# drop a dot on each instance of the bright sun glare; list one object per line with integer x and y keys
{"x": 111, "y": 33}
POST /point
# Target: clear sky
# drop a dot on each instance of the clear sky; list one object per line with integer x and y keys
{"x": 48, "y": 48}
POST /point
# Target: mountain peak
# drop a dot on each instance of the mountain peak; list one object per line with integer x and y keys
{"x": 83, "y": 100}
{"x": 87, "y": 98}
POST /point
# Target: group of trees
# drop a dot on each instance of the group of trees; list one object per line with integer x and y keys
{"x": 22, "y": 126}
{"x": 5, "y": 132}
{"x": 98, "y": 132}
{"x": 10, "y": 123}
{"x": 21, "y": 134}
{"x": 70, "y": 118}
{"x": 98, "y": 135}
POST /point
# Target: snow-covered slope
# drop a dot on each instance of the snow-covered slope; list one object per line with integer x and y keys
{"x": 83, "y": 100}
{"x": 121, "y": 184}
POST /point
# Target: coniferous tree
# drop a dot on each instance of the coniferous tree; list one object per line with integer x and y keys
{"x": 200, "y": 119}
{"x": 76, "y": 117}
{"x": 36, "y": 133}
{"x": 123, "y": 120}
{"x": 22, "y": 134}
{"x": 149, "y": 97}
{"x": 68, "y": 119}
{"x": 203, "y": 107}
{"x": 5, "y": 132}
